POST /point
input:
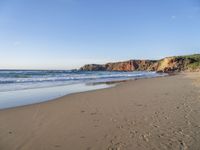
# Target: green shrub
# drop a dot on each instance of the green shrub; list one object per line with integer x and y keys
{"x": 194, "y": 65}
{"x": 191, "y": 61}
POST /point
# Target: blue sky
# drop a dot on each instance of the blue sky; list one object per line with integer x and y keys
{"x": 65, "y": 34}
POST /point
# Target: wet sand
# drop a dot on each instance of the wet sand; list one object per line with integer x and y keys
{"x": 145, "y": 114}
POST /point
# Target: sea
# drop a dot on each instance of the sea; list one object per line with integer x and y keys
{"x": 23, "y": 87}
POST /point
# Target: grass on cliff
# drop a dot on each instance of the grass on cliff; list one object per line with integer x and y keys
{"x": 195, "y": 65}
{"x": 194, "y": 60}
{"x": 194, "y": 56}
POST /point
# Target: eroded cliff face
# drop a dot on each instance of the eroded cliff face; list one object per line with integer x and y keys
{"x": 168, "y": 64}
{"x": 93, "y": 67}
{"x": 172, "y": 64}
{"x": 131, "y": 65}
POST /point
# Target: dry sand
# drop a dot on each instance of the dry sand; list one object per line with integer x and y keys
{"x": 160, "y": 113}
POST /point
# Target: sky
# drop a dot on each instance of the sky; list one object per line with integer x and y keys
{"x": 66, "y": 34}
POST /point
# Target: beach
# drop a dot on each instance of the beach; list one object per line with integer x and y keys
{"x": 145, "y": 114}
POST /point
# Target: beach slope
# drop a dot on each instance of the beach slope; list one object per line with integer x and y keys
{"x": 158, "y": 113}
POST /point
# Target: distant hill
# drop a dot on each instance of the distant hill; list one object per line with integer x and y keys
{"x": 168, "y": 64}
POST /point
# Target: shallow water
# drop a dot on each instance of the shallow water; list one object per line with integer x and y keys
{"x": 30, "y": 96}
{"x": 19, "y": 87}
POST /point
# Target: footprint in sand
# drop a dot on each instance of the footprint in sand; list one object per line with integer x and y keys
{"x": 57, "y": 146}
{"x": 96, "y": 126}
{"x": 82, "y": 111}
{"x": 89, "y": 148}
{"x": 94, "y": 113}
{"x": 145, "y": 137}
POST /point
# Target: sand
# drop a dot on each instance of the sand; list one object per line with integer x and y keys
{"x": 146, "y": 114}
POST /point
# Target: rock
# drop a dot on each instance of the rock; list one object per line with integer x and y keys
{"x": 93, "y": 67}
{"x": 167, "y": 65}
{"x": 131, "y": 65}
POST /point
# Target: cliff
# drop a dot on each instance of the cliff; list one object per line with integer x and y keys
{"x": 168, "y": 64}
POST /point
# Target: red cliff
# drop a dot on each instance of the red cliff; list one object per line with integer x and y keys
{"x": 168, "y": 64}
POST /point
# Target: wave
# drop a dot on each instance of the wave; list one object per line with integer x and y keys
{"x": 47, "y": 78}
{"x": 20, "y": 79}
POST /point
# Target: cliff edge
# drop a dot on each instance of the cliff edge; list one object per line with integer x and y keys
{"x": 168, "y": 64}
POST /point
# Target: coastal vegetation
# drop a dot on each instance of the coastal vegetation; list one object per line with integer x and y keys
{"x": 193, "y": 61}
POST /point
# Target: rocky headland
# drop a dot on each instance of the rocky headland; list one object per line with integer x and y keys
{"x": 168, "y": 64}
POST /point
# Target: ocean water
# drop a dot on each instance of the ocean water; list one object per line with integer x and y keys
{"x": 22, "y": 87}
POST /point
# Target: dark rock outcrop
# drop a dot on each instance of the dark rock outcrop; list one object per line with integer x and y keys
{"x": 93, "y": 67}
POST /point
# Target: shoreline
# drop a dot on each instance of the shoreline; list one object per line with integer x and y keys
{"x": 42, "y": 95}
{"x": 54, "y": 99}
{"x": 66, "y": 90}
{"x": 153, "y": 113}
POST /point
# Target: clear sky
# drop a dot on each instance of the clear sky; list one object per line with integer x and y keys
{"x": 65, "y": 34}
